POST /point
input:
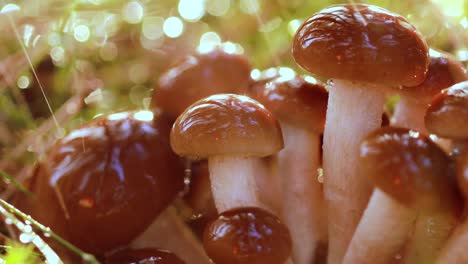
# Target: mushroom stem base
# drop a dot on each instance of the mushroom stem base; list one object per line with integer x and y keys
{"x": 430, "y": 235}
{"x": 382, "y": 231}
{"x": 455, "y": 249}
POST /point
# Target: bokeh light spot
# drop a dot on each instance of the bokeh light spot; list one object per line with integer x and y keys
{"x": 133, "y": 12}
{"x": 173, "y": 27}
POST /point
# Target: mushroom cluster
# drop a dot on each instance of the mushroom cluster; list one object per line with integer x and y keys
{"x": 281, "y": 168}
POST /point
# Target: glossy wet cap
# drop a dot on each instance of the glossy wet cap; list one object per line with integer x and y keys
{"x": 408, "y": 166}
{"x": 444, "y": 71}
{"x": 108, "y": 180}
{"x": 247, "y": 235}
{"x": 226, "y": 124}
{"x": 143, "y": 255}
{"x": 447, "y": 115}
{"x": 198, "y": 76}
{"x": 362, "y": 43}
{"x": 295, "y": 101}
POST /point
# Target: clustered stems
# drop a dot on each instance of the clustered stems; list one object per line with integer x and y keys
{"x": 354, "y": 110}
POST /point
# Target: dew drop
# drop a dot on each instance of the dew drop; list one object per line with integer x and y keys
{"x": 8, "y": 221}
{"x": 25, "y": 238}
{"x": 47, "y": 232}
{"x": 320, "y": 175}
{"x": 87, "y": 257}
{"x": 27, "y": 228}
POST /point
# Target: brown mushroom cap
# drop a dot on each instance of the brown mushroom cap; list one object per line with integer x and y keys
{"x": 444, "y": 71}
{"x": 247, "y": 235}
{"x": 226, "y": 124}
{"x": 198, "y": 76}
{"x": 260, "y": 78}
{"x": 408, "y": 166}
{"x": 362, "y": 43}
{"x": 143, "y": 255}
{"x": 105, "y": 182}
{"x": 296, "y": 101}
{"x": 447, "y": 115}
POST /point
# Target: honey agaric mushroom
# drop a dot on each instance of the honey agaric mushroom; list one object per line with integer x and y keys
{"x": 199, "y": 76}
{"x": 260, "y": 78}
{"x": 362, "y": 49}
{"x": 105, "y": 182}
{"x": 142, "y": 255}
{"x": 300, "y": 107}
{"x": 411, "y": 175}
{"x": 247, "y": 235}
{"x": 455, "y": 249}
{"x": 444, "y": 71}
{"x": 233, "y": 132}
{"x": 447, "y": 115}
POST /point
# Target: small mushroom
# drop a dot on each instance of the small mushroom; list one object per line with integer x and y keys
{"x": 363, "y": 50}
{"x": 447, "y": 115}
{"x": 198, "y": 76}
{"x": 233, "y": 132}
{"x": 142, "y": 255}
{"x": 247, "y": 235}
{"x": 444, "y": 71}
{"x": 300, "y": 107}
{"x": 411, "y": 176}
{"x": 104, "y": 183}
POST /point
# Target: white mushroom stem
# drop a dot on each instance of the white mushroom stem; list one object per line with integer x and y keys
{"x": 304, "y": 210}
{"x": 382, "y": 232}
{"x": 354, "y": 110}
{"x": 409, "y": 113}
{"x": 233, "y": 181}
{"x": 430, "y": 235}
{"x": 169, "y": 232}
{"x": 455, "y": 249}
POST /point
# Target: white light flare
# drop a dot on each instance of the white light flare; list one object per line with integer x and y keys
{"x": 191, "y": 10}
{"x": 173, "y": 27}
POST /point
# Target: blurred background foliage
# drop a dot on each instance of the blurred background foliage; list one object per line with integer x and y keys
{"x": 78, "y": 59}
{"x": 64, "y": 62}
